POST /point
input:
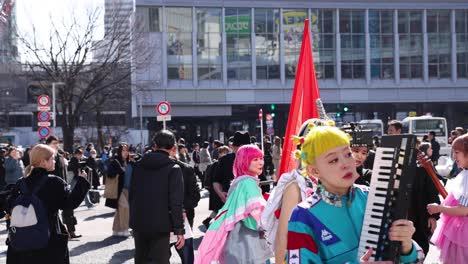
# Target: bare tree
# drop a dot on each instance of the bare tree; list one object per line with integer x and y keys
{"x": 89, "y": 69}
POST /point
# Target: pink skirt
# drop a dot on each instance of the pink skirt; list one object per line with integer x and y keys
{"x": 451, "y": 235}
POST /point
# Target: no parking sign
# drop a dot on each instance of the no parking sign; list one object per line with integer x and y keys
{"x": 43, "y": 131}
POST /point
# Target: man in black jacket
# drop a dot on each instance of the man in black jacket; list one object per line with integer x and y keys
{"x": 156, "y": 202}
{"x": 61, "y": 169}
{"x": 191, "y": 189}
{"x": 224, "y": 176}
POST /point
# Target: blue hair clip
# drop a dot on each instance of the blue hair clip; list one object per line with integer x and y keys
{"x": 304, "y": 155}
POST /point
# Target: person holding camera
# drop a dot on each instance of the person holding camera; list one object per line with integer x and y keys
{"x": 77, "y": 167}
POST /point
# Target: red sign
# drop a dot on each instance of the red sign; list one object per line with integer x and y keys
{"x": 260, "y": 114}
{"x": 43, "y": 100}
{"x": 43, "y": 131}
{"x": 163, "y": 108}
{"x": 43, "y": 116}
{"x": 269, "y": 117}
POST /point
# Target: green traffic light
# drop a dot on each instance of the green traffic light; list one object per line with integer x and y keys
{"x": 338, "y": 114}
{"x": 272, "y": 107}
{"x": 345, "y": 109}
{"x": 273, "y": 114}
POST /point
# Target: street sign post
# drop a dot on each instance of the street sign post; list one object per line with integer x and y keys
{"x": 163, "y": 108}
{"x": 43, "y": 131}
{"x": 43, "y": 117}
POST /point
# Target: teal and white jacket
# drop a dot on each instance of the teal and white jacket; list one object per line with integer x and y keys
{"x": 326, "y": 228}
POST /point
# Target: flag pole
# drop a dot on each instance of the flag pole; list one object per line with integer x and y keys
{"x": 260, "y": 117}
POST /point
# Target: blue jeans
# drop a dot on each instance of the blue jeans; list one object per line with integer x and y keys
{"x": 186, "y": 253}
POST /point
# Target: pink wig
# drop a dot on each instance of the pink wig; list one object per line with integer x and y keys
{"x": 244, "y": 156}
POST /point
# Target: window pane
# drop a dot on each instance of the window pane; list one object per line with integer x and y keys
{"x": 416, "y": 22}
{"x": 460, "y": 21}
{"x": 432, "y": 21}
{"x": 238, "y": 38}
{"x": 154, "y": 19}
{"x": 444, "y": 21}
{"x": 179, "y": 43}
{"x": 209, "y": 48}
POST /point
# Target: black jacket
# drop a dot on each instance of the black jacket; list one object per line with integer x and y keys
{"x": 435, "y": 151}
{"x": 365, "y": 176}
{"x": 55, "y": 194}
{"x": 215, "y": 202}
{"x": 424, "y": 192}
{"x": 60, "y": 168}
{"x": 224, "y": 173}
{"x": 191, "y": 189}
{"x": 156, "y": 195}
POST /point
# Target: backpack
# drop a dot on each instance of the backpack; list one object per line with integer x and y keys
{"x": 29, "y": 226}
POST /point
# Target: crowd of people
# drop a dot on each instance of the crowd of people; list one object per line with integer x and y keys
{"x": 155, "y": 193}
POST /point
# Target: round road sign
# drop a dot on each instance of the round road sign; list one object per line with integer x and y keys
{"x": 43, "y": 132}
{"x": 43, "y": 100}
{"x": 163, "y": 108}
{"x": 43, "y": 116}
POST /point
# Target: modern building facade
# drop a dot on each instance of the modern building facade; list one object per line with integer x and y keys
{"x": 8, "y": 40}
{"x": 218, "y": 62}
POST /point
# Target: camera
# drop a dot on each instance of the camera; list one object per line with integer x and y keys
{"x": 83, "y": 166}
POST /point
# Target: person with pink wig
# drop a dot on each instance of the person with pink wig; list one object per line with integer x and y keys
{"x": 236, "y": 235}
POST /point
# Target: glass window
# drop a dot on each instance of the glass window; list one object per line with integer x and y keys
{"x": 381, "y": 43}
{"x": 439, "y": 40}
{"x": 209, "y": 48}
{"x": 154, "y": 19}
{"x": 179, "y": 43}
{"x": 148, "y": 19}
{"x": 293, "y": 27}
{"x": 267, "y": 43}
{"x": 352, "y": 44}
{"x": 238, "y": 41}
{"x": 409, "y": 31}
{"x": 461, "y": 19}
{"x": 323, "y": 42}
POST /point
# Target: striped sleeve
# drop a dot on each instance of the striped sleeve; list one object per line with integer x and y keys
{"x": 301, "y": 247}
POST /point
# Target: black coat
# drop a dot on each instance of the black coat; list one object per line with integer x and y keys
{"x": 55, "y": 194}
{"x": 116, "y": 169}
{"x": 424, "y": 192}
{"x": 215, "y": 202}
{"x": 365, "y": 176}
{"x": 156, "y": 195}
{"x": 224, "y": 173}
{"x": 94, "y": 173}
{"x": 60, "y": 168}
{"x": 191, "y": 189}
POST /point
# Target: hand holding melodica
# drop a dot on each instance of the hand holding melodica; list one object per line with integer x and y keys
{"x": 402, "y": 230}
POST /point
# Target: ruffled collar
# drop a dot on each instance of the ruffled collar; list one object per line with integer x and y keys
{"x": 335, "y": 199}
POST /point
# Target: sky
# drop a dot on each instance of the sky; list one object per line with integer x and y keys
{"x": 40, "y": 12}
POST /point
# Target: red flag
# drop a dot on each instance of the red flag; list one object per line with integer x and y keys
{"x": 303, "y": 106}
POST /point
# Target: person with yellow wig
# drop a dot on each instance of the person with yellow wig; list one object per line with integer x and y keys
{"x": 326, "y": 228}
{"x": 292, "y": 188}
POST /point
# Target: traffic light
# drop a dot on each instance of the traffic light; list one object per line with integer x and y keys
{"x": 346, "y": 109}
{"x": 273, "y": 114}
{"x": 272, "y": 107}
{"x": 338, "y": 114}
